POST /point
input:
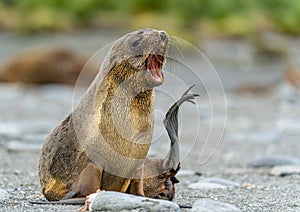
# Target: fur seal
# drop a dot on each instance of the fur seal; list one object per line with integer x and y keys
{"x": 106, "y": 138}
{"x": 55, "y": 65}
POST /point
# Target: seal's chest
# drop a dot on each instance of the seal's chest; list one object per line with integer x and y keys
{"x": 142, "y": 118}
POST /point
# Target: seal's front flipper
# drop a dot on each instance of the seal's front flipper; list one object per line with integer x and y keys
{"x": 89, "y": 181}
{"x": 136, "y": 187}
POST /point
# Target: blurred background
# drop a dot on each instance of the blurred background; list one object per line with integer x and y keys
{"x": 242, "y": 36}
{"x": 190, "y": 18}
{"x": 254, "y": 46}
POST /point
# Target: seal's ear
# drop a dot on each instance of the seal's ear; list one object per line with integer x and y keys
{"x": 174, "y": 180}
{"x": 171, "y": 174}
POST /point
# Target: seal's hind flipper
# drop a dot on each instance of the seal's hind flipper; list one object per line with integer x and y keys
{"x": 70, "y": 195}
{"x": 172, "y": 161}
{"x": 73, "y": 201}
{"x": 171, "y": 118}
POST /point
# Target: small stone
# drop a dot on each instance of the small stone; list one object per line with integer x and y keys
{"x": 285, "y": 170}
{"x": 185, "y": 172}
{"x": 9, "y": 129}
{"x": 273, "y": 160}
{"x": 208, "y": 205}
{"x": 22, "y": 146}
{"x": 259, "y": 137}
{"x": 206, "y": 186}
{"x": 248, "y": 185}
{"x": 116, "y": 201}
{"x": 3, "y": 194}
{"x": 220, "y": 181}
{"x": 198, "y": 174}
{"x": 289, "y": 126}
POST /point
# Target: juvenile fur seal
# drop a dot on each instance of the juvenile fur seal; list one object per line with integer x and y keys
{"x": 105, "y": 139}
{"x": 55, "y": 65}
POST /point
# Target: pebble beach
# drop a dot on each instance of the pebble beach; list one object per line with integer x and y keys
{"x": 255, "y": 167}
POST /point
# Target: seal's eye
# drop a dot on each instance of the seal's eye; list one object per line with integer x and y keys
{"x": 136, "y": 42}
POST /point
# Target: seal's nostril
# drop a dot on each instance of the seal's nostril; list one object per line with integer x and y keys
{"x": 163, "y": 35}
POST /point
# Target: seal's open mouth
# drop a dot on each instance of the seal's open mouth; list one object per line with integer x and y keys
{"x": 154, "y": 66}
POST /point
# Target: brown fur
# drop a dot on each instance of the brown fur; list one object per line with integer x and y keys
{"x": 69, "y": 156}
{"x": 58, "y": 65}
{"x": 163, "y": 185}
{"x": 292, "y": 75}
{"x": 158, "y": 174}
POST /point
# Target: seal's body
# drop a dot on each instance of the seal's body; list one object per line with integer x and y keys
{"x": 103, "y": 142}
{"x": 160, "y": 174}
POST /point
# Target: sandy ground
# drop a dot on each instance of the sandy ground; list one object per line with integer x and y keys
{"x": 266, "y": 124}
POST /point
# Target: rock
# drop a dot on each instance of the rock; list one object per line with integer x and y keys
{"x": 185, "y": 172}
{"x": 17, "y": 128}
{"x": 289, "y": 126}
{"x": 285, "y": 170}
{"x": 259, "y": 137}
{"x": 9, "y": 129}
{"x": 248, "y": 185}
{"x": 116, "y": 201}
{"x": 21, "y": 146}
{"x": 273, "y": 160}
{"x": 220, "y": 181}
{"x": 206, "y": 186}
{"x": 3, "y": 194}
{"x": 208, "y": 205}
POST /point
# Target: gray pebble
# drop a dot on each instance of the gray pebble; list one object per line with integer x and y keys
{"x": 285, "y": 170}
{"x": 9, "y": 129}
{"x": 289, "y": 126}
{"x": 116, "y": 201}
{"x": 273, "y": 160}
{"x": 208, "y": 205}
{"x": 206, "y": 186}
{"x": 261, "y": 137}
{"x": 220, "y": 181}
{"x": 185, "y": 172}
{"x": 3, "y": 194}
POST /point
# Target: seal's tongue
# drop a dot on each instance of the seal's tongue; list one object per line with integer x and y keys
{"x": 154, "y": 66}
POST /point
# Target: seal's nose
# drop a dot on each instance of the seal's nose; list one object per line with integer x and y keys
{"x": 163, "y": 35}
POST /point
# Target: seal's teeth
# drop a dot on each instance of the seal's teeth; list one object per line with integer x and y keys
{"x": 154, "y": 66}
{"x": 156, "y": 74}
{"x": 155, "y": 61}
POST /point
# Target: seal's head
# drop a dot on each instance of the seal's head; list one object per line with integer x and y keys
{"x": 162, "y": 186}
{"x": 144, "y": 53}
